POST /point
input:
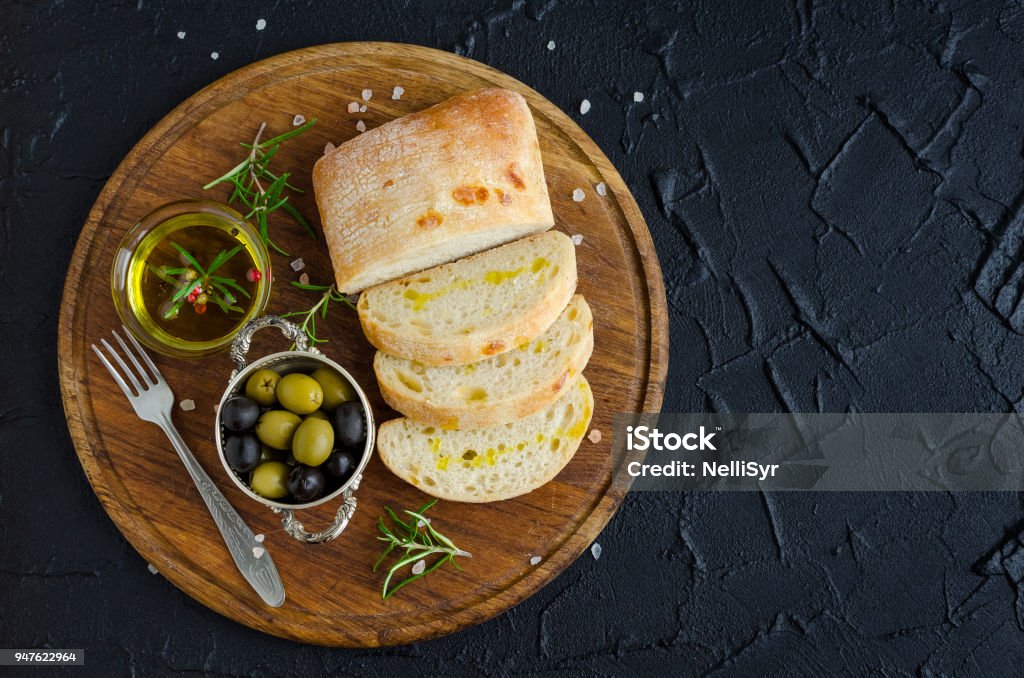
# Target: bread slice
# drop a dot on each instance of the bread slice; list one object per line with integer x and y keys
{"x": 489, "y": 464}
{"x": 502, "y": 388}
{"x": 476, "y": 307}
{"x": 431, "y": 187}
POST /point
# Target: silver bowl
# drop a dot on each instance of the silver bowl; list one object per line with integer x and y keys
{"x": 302, "y": 358}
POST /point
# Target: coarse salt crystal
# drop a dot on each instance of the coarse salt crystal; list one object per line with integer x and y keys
{"x": 328, "y": 147}
{"x": 397, "y": 93}
{"x": 577, "y": 239}
{"x": 298, "y": 120}
{"x": 188, "y": 405}
{"x": 551, "y": 44}
{"x": 353, "y": 107}
{"x": 595, "y": 550}
{"x": 259, "y": 538}
{"x": 419, "y": 566}
{"x": 258, "y": 551}
{"x": 361, "y": 126}
{"x": 181, "y": 35}
{"x": 594, "y": 436}
{"x": 601, "y": 189}
{"x": 367, "y": 93}
{"x": 535, "y": 560}
{"x": 304, "y": 278}
{"x": 577, "y": 195}
{"x": 584, "y": 107}
{"x": 152, "y": 570}
{"x": 362, "y": 109}
{"x": 298, "y": 265}
{"x": 214, "y": 55}
{"x": 261, "y": 24}
{"x": 638, "y": 97}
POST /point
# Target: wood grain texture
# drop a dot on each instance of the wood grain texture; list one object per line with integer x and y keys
{"x": 333, "y": 597}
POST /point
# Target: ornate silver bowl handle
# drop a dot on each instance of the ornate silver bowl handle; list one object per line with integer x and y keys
{"x": 243, "y": 342}
{"x": 295, "y": 528}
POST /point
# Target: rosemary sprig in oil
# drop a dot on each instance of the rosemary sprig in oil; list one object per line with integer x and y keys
{"x": 329, "y": 293}
{"x": 261, "y": 190}
{"x": 198, "y": 285}
{"x": 418, "y": 540}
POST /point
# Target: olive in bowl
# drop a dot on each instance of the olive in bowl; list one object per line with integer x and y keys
{"x": 239, "y": 414}
{"x": 276, "y": 428}
{"x": 350, "y": 423}
{"x": 261, "y": 386}
{"x": 306, "y": 483}
{"x": 242, "y": 451}
{"x": 299, "y": 393}
{"x": 341, "y": 463}
{"x": 270, "y": 480}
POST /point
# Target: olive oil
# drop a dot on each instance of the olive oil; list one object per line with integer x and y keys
{"x": 187, "y": 325}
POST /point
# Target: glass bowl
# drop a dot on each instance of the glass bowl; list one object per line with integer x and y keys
{"x": 170, "y": 248}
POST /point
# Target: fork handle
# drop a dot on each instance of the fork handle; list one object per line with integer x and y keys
{"x": 261, "y": 573}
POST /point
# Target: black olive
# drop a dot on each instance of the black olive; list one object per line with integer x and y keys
{"x": 341, "y": 463}
{"x": 242, "y": 452}
{"x": 350, "y": 424}
{"x": 306, "y": 483}
{"x": 239, "y": 414}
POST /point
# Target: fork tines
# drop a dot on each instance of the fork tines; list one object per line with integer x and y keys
{"x": 148, "y": 379}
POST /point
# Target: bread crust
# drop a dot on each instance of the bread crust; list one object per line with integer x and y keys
{"x": 454, "y": 179}
{"x": 496, "y": 410}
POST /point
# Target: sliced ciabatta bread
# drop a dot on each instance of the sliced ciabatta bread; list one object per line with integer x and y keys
{"x": 498, "y": 389}
{"x": 489, "y": 464}
{"x": 473, "y": 308}
{"x": 431, "y": 187}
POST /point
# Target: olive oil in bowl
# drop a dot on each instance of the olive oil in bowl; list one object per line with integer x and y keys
{"x": 188, "y": 276}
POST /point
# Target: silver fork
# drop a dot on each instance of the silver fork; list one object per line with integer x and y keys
{"x": 153, "y": 402}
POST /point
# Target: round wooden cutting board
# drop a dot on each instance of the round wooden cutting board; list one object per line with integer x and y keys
{"x": 333, "y": 598}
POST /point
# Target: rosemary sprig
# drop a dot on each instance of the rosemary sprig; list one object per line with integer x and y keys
{"x": 261, "y": 190}
{"x": 215, "y": 287}
{"x": 329, "y": 293}
{"x": 419, "y": 540}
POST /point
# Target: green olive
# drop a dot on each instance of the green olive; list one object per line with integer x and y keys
{"x": 319, "y": 414}
{"x": 299, "y": 393}
{"x": 313, "y": 442}
{"x": 336, "y": 388}
{"x": 276, "y": 428}
{"x": 261, "y": 386}
{"x": 270, "y": 480}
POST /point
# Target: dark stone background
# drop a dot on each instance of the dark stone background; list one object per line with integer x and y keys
{"x": 836, "y": 195}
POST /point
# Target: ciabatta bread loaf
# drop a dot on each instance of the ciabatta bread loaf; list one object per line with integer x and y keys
{"x": 477, "y": 307}
{"x": 499, "y": 389}
{"x": 489, "y": 464}
{"x": 431, "y": 187}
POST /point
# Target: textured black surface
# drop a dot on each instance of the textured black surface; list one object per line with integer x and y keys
{"x": 836, "y": 196}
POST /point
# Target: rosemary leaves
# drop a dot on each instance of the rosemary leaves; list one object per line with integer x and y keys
{"x": 261, "y": 190}
{"x": 329, "y": 293}
{"x": 197, "y": 285}
{"x": 419, "y": 542}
